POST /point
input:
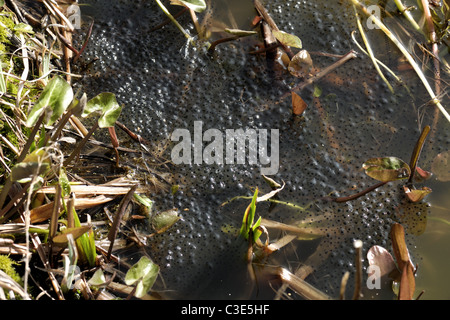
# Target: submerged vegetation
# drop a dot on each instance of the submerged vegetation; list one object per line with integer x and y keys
{"x": 43, "y": 137}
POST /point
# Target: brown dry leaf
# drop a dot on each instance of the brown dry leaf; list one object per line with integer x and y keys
{"x": 44, "y": 212}
{"x": 407, "y": 282}
{"x": 416, "y": 195}
{"x": 298, "y": 104}
{"x": 399, "y": 247}
{"x": 61, "y": 239}
{"x": 84, "y": 190}
{"x": 425, "y": 175}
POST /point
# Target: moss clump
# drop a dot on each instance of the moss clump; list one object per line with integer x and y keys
{"x": 7, "y": 266}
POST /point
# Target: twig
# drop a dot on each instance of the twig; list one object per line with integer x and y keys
{"x": 273, "y": 26}
{"x": 174, "y": 21}
{"x": 301, "y": 287}
{"x": 22, "y": 155}
{"x": 167, "y": 21}
{"x": 88, "y": 35}
{"x": 378, "y": 62}
{"x": 370, "y": 52}
{"x": 408, "y": 15}
{"x": 118, "y": 218}
{"x": 350, "y": 55}
{"x": 435, "y": 50}
{"x": 38, "y": 246}
{"x": 357, "y": 195}
{"x": 219, "y": 41}
{"x": 80, "y": 145}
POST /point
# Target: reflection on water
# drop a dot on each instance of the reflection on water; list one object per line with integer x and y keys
{"x": 166, "y": 84}
{"x": 431, "y": 246}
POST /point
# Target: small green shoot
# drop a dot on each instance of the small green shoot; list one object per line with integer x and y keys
{"x": 70, "y": 265}
{"x": 240, "y": 33}
{"x": 98, "y": 278}
{"x": 2, "y": 81}
{"x": 84, "y": 236}
{"x": 248, "y": 227}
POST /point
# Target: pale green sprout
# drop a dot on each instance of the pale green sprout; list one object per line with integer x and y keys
{"x": 142, "y": 275}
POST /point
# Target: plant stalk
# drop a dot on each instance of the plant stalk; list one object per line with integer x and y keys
{"x": 174, "y": 21}
{"x": 408, "y": 57}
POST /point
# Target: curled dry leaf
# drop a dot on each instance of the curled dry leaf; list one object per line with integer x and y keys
{"x": 416, "y": 195}
{"x": 425, "y": 175}
{"x": 269, "y": 195}
{"x": 301, "y": 64}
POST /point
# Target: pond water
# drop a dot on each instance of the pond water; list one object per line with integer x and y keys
{"x": 167, "y": 84}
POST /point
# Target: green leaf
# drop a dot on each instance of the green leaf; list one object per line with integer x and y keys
{"x": 196, "y": 5}
{"x": 64, "y": 182}
{"x": 249, "y": 216}
{"x": 288, "y": 39}
{"x": 145, "y": 201}
{"x": 142, "y": 274}
{"x": 317, "y": 91}
{"x": 387, "y": 169}
{"x": 23, "y": 28}
{"x": 35, "y": 163}
{"x": 2, "y": 81}
{"x": 98, "y": 278}
{"x": 164, "y": 220}
{"x": 106, "y": 105}
{"x": 85, "y": 243}
{"x": 256, "y": 231}
{"x": 54, "y": 99}
{"x": 24, "y": 171}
